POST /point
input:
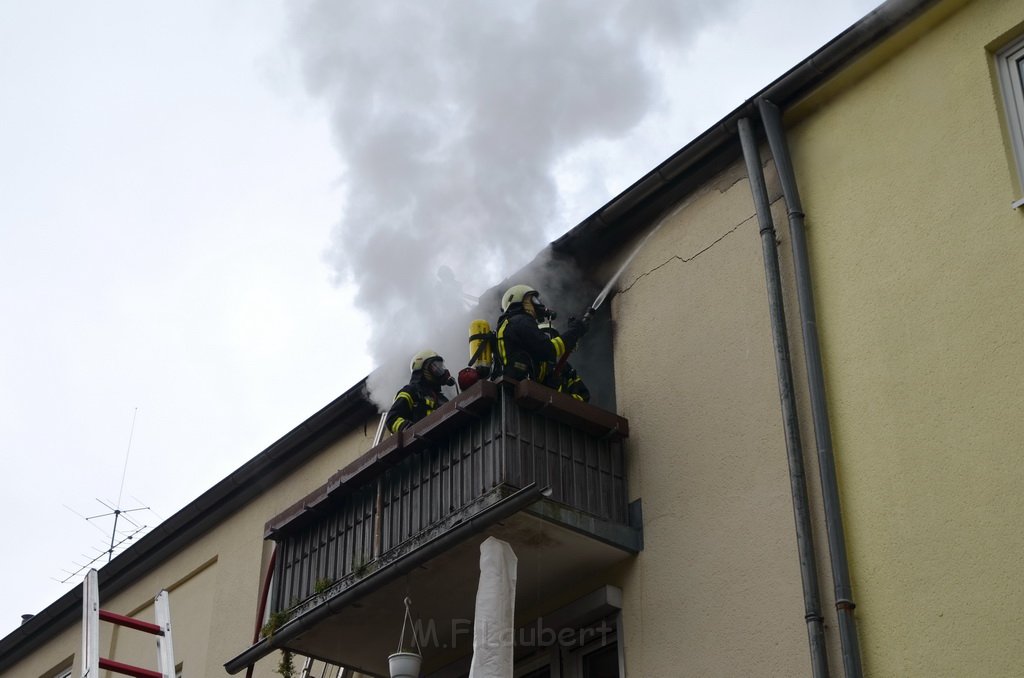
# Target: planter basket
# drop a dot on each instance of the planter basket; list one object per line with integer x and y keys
{"x": 404, "y": 664}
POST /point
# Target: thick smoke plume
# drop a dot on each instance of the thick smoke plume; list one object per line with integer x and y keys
{"x": 450, "y": 117}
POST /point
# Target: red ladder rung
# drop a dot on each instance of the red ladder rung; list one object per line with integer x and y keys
{"x": 131, "y": 622}
{"x": 128, "y": 669}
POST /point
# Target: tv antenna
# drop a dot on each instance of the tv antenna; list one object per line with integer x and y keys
{"x": 119, "y": 514}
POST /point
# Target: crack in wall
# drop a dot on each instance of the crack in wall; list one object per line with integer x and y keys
{"x": 690, "y": 258}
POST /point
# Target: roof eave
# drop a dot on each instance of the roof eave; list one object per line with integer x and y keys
{"x": 717, "y": 147}
{"x": 346, "y": 412}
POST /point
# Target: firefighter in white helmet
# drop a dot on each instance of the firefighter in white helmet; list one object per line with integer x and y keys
{"x": 422, "y": 395}
{"x": 526, "y": 352}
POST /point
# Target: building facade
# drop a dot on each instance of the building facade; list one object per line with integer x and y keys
{"x": 665, "y": 533}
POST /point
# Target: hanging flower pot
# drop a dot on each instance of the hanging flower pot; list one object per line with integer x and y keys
{"x": 403, "y": 664}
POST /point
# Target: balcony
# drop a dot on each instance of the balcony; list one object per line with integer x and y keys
{"x": 513, "y": 460}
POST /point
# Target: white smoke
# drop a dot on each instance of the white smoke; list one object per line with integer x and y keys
{"x": 450, "y": 117}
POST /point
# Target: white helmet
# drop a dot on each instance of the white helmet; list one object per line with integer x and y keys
{"x": 516, "y": 295}
{"x": 420, "y": 358}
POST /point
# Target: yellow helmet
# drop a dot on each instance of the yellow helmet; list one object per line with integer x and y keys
{"x": 516, "y": 295}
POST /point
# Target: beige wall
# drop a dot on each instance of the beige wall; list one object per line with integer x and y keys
{"x": 716, "y": 591}
{"x": 214, "y": 586}
{"x": 918, "y": 272}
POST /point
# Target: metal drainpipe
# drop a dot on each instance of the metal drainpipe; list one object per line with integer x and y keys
{"x": 787, "y": 397}
{"x": 772, "y": 120}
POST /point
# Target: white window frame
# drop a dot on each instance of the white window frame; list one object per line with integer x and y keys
{"x": 1010, "y": 65}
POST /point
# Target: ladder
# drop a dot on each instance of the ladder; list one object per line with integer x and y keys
{"x": 92, "y": 615}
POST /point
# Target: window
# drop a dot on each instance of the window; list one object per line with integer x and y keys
{"x": 579, "y": 640}
{"x": 599, "y": 659}
{"x": 1010, "y": 64}
{"x": 543, "y": 665}
{"x": 590, "y": 651}
{"x": 63, "y": 673}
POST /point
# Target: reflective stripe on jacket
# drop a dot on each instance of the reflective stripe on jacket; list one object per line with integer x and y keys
{"x": 413, "y": 402}
{"x": 525, "y": 350}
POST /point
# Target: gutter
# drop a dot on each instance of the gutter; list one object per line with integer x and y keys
{"x": 717, "y": 147}
{"x": 690, "y": 167}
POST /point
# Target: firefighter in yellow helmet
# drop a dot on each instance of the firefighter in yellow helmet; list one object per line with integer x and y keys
{"x": 526, "y": 352}
{"x": 422, "y": 395}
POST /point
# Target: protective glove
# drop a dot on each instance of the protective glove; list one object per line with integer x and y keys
{"x": 579, "y": 326}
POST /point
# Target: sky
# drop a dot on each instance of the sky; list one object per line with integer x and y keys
{"x": 216, "y": 216}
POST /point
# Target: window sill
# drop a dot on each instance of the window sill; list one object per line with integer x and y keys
{"x": 1017, "y": 204}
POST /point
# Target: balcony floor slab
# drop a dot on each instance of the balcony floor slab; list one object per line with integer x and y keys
{"x": 552, "y": 560}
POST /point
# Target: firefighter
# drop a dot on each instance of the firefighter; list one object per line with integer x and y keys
{"x": 422, "y": 395}
{"x": 525, "y": 351}
{"x": 567, "y": 380}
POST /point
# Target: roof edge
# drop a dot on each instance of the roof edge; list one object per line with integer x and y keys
{"x": 785, "y": 91}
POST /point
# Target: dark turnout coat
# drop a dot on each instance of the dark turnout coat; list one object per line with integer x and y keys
{"x": 526, "y": 352}
{"x": 413, "y": 402}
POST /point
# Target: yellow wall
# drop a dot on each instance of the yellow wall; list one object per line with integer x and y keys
{"x": 918, "y": 275}
{"x": 907, "y": 182}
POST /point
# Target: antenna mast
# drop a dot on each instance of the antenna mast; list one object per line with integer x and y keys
{"x": 116, "y": 511}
